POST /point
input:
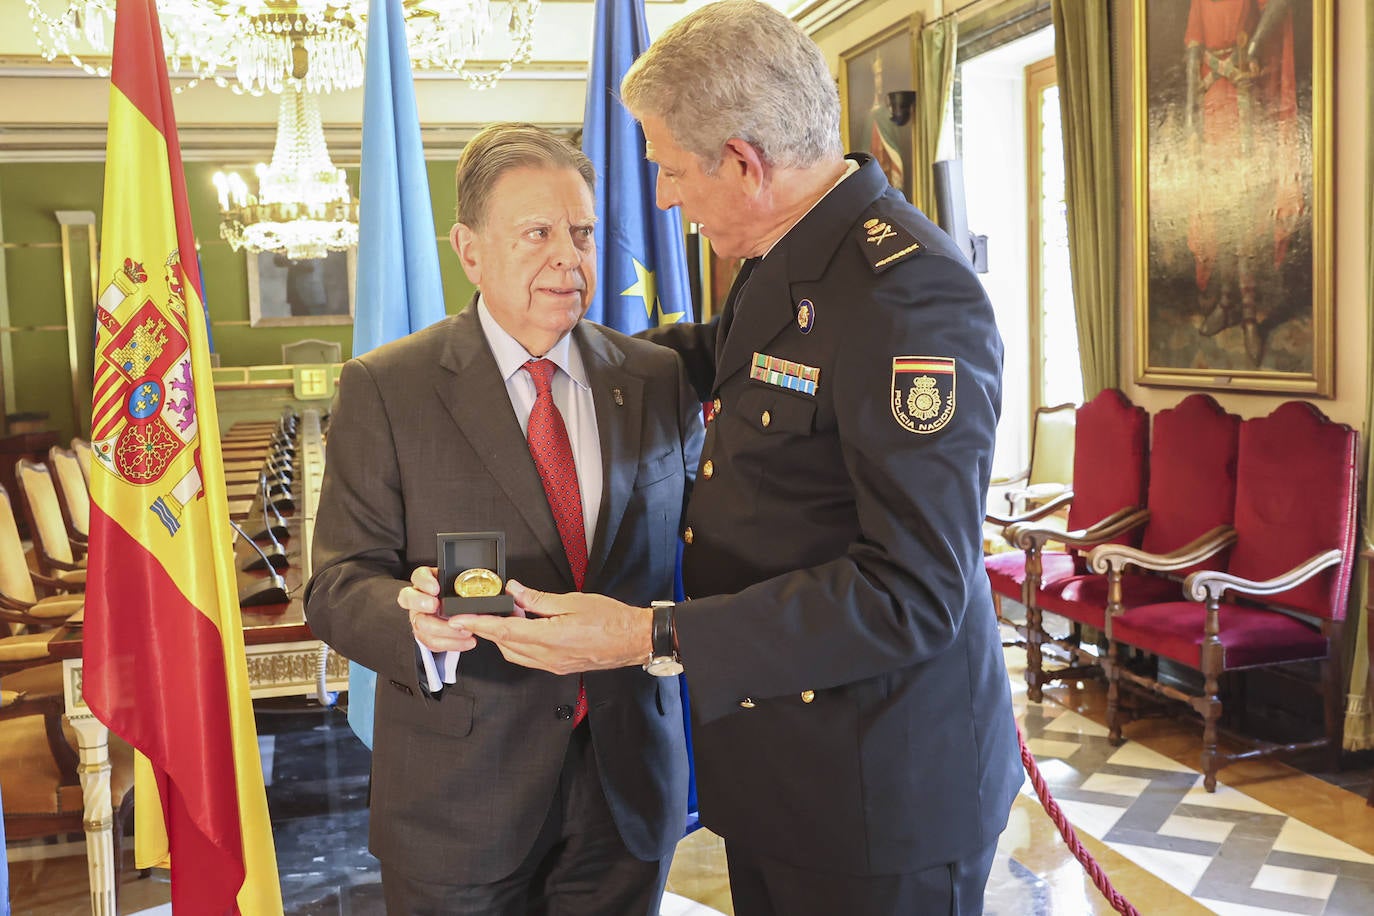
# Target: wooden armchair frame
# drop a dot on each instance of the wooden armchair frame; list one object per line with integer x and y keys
{"x": 1320, "y": 613}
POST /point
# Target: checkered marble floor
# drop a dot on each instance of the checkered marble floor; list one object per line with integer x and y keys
{"x": 1231, "y": 853}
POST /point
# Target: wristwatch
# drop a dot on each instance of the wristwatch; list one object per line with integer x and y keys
{"x": 663, "y": 660}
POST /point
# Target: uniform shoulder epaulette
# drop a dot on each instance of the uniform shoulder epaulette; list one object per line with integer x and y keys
{"x": 884, "y": 239}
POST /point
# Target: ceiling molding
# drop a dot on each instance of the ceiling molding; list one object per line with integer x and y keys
{"x": 234, "y": 146}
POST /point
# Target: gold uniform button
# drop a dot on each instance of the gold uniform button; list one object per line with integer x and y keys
{"x": 746, "y": 703}
{"x": 687, "y": 535}
{"x": 766, "y": 418}
{"x": 808, "y": 696}
{"x": 708, "y": 469}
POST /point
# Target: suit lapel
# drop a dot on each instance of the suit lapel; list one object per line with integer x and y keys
{"x": 619, "y": 399}
{"x": 475, "y": 395}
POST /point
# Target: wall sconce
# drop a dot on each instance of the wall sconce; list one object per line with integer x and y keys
{"x": 899, "y": 104}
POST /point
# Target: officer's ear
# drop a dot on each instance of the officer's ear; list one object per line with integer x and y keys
{"x": 743, "y": 161}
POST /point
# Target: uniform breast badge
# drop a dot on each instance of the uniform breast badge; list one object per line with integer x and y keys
{"x": 806, "y": 315}
{"x": 922, "y": 392}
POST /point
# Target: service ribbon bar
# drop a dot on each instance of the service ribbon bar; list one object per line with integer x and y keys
{"x": 785, "y": 373}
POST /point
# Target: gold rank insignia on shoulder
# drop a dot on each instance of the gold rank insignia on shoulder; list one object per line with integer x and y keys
{"x": 922, "y": 393}
{"x": 785, "y": 373}
{"x": 886, "y": 243}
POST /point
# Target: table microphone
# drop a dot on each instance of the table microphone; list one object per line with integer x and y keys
{"x": 271, "y": 590}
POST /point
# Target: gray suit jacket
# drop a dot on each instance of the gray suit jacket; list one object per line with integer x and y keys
{"x": 424, "y": 441}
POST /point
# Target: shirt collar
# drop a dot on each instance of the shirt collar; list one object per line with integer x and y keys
{"x": 850, "y": 167}
{"x": 510, "y": 354}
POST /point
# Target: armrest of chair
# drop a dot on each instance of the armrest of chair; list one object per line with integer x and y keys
{"x": 1023, "y": 474}
{"x": 1034, "y": 515}
{"x": 1028, "y": 537}
{"x": 55, "y": 585}
{"x": 62, "y": 564}
{"x": 1209, "y": 584}
{"x": 1108, "y": 558}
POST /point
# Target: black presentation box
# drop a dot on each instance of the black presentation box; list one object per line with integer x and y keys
{"x": 461, "y": 551}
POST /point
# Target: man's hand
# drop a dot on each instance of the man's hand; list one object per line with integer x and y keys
{"x": 421, "y": 599}
{"x": 565, "y": 634}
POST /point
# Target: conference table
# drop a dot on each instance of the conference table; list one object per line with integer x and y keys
{"x": 283, "y": 659}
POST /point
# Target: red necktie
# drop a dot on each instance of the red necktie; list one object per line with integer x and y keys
{"x": 553, "y": 458}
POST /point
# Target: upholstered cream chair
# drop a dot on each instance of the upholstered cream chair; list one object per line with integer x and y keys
{"x": 82, "y": 448}
{"x": 38, "y": 763}
{"x": 25, "y": 619}
{"x": 54, "y": 549}
{"x": 74, "y": 498}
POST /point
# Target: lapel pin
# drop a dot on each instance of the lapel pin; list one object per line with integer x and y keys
{"x": 618, "y": 397}
{"x": 806, "y": 315}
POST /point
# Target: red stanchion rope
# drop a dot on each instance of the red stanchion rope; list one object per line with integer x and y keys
{"x": 1085, "y": 858}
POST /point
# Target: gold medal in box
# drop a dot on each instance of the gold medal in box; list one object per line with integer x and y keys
{"x": 472, "y": 573}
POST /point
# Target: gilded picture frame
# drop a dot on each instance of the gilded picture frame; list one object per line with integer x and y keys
{"x": 883, "y": 63}
{"x": 1232, "y": 173}
{"x": 313, "y": 291}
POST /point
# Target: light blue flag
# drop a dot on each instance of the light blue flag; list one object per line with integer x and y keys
{"x": 641, "y": 260}
{"x": 398, "y": 288}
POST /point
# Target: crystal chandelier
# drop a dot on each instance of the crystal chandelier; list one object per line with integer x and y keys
{"x": 303, "y": 208}
{"x": 269, "y": 44}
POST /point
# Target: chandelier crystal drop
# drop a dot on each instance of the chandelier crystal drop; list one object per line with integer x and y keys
{"x": 260, "y": 46}
{"x": 303, "y": 208}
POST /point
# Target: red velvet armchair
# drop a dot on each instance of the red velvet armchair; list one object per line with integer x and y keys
{"x": 1191, "y": 499}
{"x": 1109, "y": 477}
{"x": 1281, "y": 598}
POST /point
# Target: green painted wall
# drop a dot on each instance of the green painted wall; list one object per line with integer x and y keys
{"x": 30, "y": 192}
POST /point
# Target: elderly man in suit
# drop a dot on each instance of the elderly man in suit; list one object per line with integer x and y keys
{"x": 852, "y": 717}
{"x": 498, "y": 789}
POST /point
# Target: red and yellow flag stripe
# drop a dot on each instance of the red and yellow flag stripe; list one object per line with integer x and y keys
{"x": 164, "y": 656}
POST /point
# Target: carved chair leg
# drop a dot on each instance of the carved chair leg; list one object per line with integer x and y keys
{"x": 1035, "y": 632}
{"x": 1210, "y": 703}
{"x": 1331, "y": 707}
{"x": 1035, "y": 659}
{"x": 1113, "y": 668}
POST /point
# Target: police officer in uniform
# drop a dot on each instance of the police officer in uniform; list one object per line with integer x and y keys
{"x": 853, "y": 730}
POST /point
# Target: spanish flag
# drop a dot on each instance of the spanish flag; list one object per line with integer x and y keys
{"x": 164, "y": 657}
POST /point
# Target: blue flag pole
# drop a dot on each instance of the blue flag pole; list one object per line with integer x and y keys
{"x": 398, "y": 287}
{"x": 641, "y": 258}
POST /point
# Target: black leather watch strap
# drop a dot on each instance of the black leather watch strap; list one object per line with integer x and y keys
{"x": 661, "y": 636}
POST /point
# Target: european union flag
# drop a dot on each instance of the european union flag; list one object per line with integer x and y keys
{"x": 398, "y": 288}
{"x": 641, "y": 262}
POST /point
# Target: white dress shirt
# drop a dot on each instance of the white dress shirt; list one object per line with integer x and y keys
{"x": 573, "y": 396}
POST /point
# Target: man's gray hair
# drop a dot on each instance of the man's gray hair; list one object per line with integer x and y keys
{"x": 739, "y": 68}
{"x": 497, "y": 149}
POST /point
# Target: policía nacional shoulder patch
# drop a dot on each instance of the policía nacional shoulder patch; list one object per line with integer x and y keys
{"x": 922, "y": 393}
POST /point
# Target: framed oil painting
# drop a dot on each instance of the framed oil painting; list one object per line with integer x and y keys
{"x": 868, "y": 72}
{"x": 1232, "y": 189}
{"x": 285, "y": 293}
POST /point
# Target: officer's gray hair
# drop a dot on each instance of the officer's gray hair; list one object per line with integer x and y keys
{"x": 739, "y": 69}
{"x": 498, "y": 148}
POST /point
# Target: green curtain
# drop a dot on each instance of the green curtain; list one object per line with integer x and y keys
{"x": 1082, "y": 53}
{"x": 1359, "y": 729}
{"x": 935, "y": 63}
